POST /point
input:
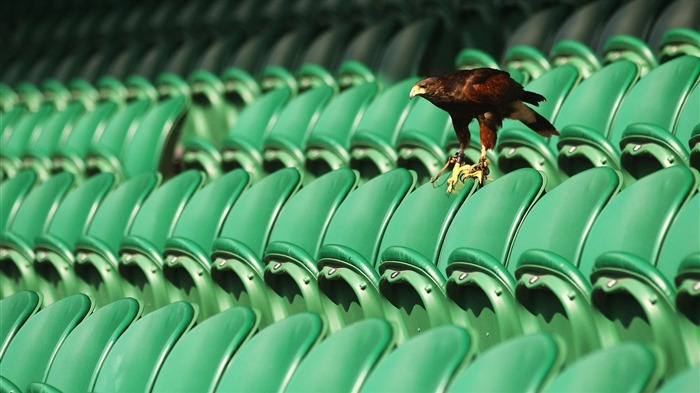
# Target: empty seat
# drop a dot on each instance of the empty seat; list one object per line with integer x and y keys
{"x": 80, "y": 357}
{"x": 134, "y": 361}
{"x": 267, "y": 362}
{"x": 15, "y": 143}
{"x": 16, "y": 310}
{"x": 344, "y": 359}
{"x": 199, "y": 358}
{"x": 686, "y": 382}
{"x": 33, "y": 349}
{"x": 12, "y": 194}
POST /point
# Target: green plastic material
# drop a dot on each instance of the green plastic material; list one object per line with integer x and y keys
{"x": 679, "y": 41}
{"x": 426, "y": 363}
{"x": 266, "y": 363}
{"x": 685, "y": 382}
{"x": 359, "y": 347}
{"x": 198, "y": 360}
{"x": 677, "y": 245}
{"x": 238, "y": 251}
{"x": 12, "y": 194}
{"x": 523, "y": 364}
{"x": 16, "y": 144}
{"x": 629, "y": 367}
{"x": 528, "y": 60}
{"x": 576, "y": 53}
{"x": 33, "y": 349}
{"x": 111, "y": 222}
{"x": 80, "y": 357}
{"x": 16, "y": 310}
{"x": 627, "y": 47}
{"x": 136, "y": 358}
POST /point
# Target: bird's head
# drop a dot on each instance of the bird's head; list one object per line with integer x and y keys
{"x": 424, "y": 88}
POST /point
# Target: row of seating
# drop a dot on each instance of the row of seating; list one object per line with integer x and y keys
{"x": 568, "y": 262}
{"x": 68, "y": 347}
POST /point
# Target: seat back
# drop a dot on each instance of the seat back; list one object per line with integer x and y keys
{"x": 91, "y": 125}
{"x": 136, "y": 358}
{"x": 561, "y": 220}
{"x": 628, "y": 367}
{"x": 33, "y": 349}
{"x": 12, "y": 194}
{"x": 55, "y": 130}
{"x": 120, "y": 129}
{"x": 637, "y": 219}
{"x": 688, "y": 118}
{"x": 357, "y": 347}
{"x": 677, "y": 244}
{"x": 476, "y": 226}
{"x": 16, "y": 309}
{"x": 80, "y": 358}
{"x": 425, "y": 363}
{"x": 198, "y": 360}
{"x": 529, "y": 362}
{"x": 267, "y": 362}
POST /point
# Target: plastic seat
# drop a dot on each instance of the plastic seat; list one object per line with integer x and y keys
{"x": 53, "y": 249}
{"x": 646, "y": 147}
{"x": 694, "y": 143}
{"x": 359, "y": 347}
{"x": 138, "y": 355}
{"x": 242, "y": 147}
{"x": 629, "y": 367}
{"x": 426, "y": 363}
{"x": 243, "y": 237}
{"x": 285, "y": 145}
{"x": 16, "y": 310}
{"x": 686, "y": 382}
{"x": 79, "y": 359}
{"x": 528, "y": 361}
{"x": 414, "y": 283}
{"x": 557, "y": 291}
{"x": 12, "y": 194}
{"x": 328, "y": 146}
{"x": 372, "y": 145}
{"x": 677, "y": 15}
{"x": 364, "y": 53}
{"x": 591, "y": 109}
{"x": 348, "y": 279}
{"x": 622, "y": 282}
{"x": 97, "y": 257}
{"x": 199, "y": 358}
{"x": 267, "y": 362}
{"x": 681, "y": 41}
{"x": 518, "y": 146}
{"x": 355, "y": 228}
{"x": 32, "y": 218}
{"x": 15, "y": 144}
{"x": 34, "y": 347}
{"x": 672, "y": 81}
{"x": 145, "y": 262}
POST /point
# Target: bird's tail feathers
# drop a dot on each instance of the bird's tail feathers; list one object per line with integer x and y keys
{"x": 533, "y": 98}
{"x": 542, "y": 126}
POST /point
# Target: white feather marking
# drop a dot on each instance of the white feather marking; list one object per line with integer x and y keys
{"x": 522, "y": 112}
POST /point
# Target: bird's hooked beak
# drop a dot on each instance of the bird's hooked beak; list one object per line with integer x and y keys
{"x": 416, "y": 91}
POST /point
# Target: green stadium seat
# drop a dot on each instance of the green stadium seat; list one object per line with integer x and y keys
{"x": 145, "y": 260}
{"x": 33, "y": 349}
{"x": 285, "y": 145}
{"x": 70, "y": 156}
{"x": 628, "y": 367}
{"x": 313, "y": 208}
{"x": 681, "y": 41}
{"x": 694, "y": 143}
{"x": 15, "y": 144}
{"x": 630, "y": 19}
{"x": 590, "y": 111}
{"x": 359, "y": 347}
{"x": 240, "y": 246}
{"x": 685, "y": 382}
{"x": 679, "y": 14}
{"x": 348, "y": 279}
{"x": 16, "y": 310}
{"x": 623, "y": 282}
{"x": 12, "y": 194}
{"x": 523, "y": 364}
{"x": 242, "y": 147}
{"x": 267, "y": 362}
{"x": 557, "y": 291}
{"x": 364, "y": 53}
{"x": 133, "y": 362}
{"x": 688, "y": 288}
{"x": 372, "y": 146}
{"x": 672, "y": 81}
{"x": 10, "y": 118}
{"x": 53, "y": 249}
{"x": 199, "y": 358}
{"x": 81, "y": 355}
{"x": 414, "y": 284}
{"x": 32, "y": 219}
{"x": 355, "y": 228}
{"x": 97, "y": 260}
{"x": 647, "y": 147}
{"x": 104, "y": 154}
{"x": 328, "y": 146}
{"x": 426, "y": 363}
{"x": 629, "y": 48}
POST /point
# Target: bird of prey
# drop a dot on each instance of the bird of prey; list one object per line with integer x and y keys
{"x": 487, "y": 95}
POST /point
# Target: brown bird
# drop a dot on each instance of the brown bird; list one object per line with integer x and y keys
{"x": 488, "y": 95}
